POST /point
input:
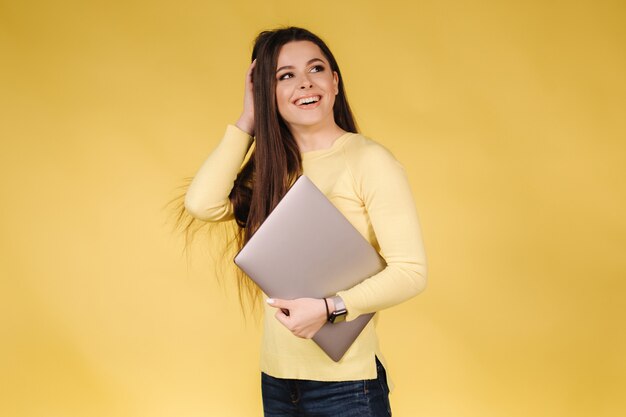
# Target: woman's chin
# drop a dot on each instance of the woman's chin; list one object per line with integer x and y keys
{"x": 310, "y": 122}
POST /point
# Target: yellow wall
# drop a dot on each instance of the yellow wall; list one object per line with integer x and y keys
{"x": 509, "y": 117}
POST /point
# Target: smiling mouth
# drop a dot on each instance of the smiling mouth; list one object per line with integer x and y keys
{"x": 307, "y": 101}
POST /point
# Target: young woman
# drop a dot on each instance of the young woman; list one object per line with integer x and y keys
{"x": 296, "y": 115}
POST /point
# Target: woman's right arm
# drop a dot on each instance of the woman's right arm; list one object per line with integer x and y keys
{"x": 207, "y": 196}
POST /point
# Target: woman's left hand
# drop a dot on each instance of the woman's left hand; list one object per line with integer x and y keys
{"x": 305, "y": 316}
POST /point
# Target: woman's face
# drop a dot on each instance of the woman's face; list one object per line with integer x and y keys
{"x": 305, "y": 85}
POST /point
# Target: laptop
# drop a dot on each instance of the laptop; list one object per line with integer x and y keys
{"x": 307, "y": 248}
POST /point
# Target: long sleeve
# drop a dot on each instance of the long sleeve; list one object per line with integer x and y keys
{"x": 381, "y": 182}
{"x": 207, "y": 196}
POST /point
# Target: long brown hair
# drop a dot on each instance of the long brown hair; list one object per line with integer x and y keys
{"x": 275, "y": 162}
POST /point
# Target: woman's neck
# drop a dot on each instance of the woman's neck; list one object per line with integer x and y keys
{"x": 309, "y": 139}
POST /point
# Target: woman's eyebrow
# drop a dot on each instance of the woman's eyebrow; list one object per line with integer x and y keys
{"x": 308, "y": 63}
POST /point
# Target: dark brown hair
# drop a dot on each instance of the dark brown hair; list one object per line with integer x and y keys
{"x": 275, "y": 162}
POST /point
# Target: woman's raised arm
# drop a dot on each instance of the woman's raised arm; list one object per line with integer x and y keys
{"x": 207, "y": 196}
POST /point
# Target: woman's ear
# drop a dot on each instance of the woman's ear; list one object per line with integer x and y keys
{"x": 336, "y": 82}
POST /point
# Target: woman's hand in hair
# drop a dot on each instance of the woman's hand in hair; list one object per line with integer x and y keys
{"x": 302, "y": 316}
{"x": 246, "y": 120}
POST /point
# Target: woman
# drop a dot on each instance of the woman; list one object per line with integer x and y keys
{"x": 296, "y": 113}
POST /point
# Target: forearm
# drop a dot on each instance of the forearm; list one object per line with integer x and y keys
{"x": 394, "y": 285}
{"x": 207, "y": 196}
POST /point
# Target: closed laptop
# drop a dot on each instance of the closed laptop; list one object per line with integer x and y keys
{"x": 307, "y": 248}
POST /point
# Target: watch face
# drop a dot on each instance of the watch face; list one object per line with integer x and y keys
{"x": 337, "y": 316}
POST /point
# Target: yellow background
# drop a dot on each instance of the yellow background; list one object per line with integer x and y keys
{"x": 508, "y": 115}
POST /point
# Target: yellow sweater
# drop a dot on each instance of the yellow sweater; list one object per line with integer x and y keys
{"x": 369, "y": 186}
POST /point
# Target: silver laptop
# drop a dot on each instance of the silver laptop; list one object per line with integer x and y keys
{"x": 307, "y": 248}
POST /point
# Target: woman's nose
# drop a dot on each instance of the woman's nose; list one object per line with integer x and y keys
{"x": 305, "y": 83}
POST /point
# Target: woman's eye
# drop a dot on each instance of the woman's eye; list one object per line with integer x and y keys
{"x": 287, "y": 75}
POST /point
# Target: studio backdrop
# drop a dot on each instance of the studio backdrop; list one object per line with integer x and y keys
{"x": 509, "y": 117}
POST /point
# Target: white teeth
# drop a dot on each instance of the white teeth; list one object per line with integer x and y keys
{"x": 308, "y": 100}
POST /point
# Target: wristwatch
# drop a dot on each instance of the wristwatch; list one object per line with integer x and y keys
{"x": 340, "y": 310}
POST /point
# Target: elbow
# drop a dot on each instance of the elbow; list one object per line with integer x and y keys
{"x": 420, "y": 283}
{"x": 208, "y": 213}
{"x": 418, "y": 279}
{"x": 197, "y": 210}
{"x": 193, "y": 208}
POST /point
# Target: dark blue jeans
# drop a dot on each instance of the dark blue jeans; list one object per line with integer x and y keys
{"x": 299, "y": 397}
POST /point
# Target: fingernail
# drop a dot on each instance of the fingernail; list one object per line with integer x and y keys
{"x": 270, "y": 301}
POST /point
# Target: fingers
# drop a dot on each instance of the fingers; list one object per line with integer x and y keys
{"x": 283, "y": 305}
{"x": 293, "y": 326}
{"x": 282, "y": 314}
{"x": 249, "y": 74}
{"x": 246, "y": 120}
{"x": 278, "y": 303}
{"x": 300, "y": 316}
{"x": 283, "y": 318}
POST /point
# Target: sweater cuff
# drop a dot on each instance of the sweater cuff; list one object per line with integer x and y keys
{"x": 235, "y": 133}
{"x": 353, "y": 312}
